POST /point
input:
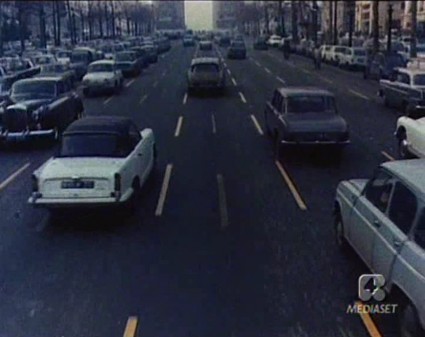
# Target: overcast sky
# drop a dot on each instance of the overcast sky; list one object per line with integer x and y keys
{"x": 198, "y": 14}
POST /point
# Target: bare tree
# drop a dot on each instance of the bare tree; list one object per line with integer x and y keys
{"x": 414, "y": 24}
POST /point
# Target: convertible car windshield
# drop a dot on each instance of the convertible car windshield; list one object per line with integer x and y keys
{"x": 91, "y": 145}
{"x": 302, "y": 104}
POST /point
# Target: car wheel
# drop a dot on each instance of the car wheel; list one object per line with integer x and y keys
{"x": 409, "y": 322}
{"x": 403, "y": 149}
{"x": 340, "y": 239}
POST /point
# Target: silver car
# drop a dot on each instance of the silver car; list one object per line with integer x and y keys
{"x": 383, "y": 219}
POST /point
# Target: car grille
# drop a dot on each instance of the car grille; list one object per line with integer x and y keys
{"x": 15, "y": 119}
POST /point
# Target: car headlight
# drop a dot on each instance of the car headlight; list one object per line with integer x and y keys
{"x": 37, "y": 114}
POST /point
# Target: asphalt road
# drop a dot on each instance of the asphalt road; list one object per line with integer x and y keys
{"x": 243, "y": 245}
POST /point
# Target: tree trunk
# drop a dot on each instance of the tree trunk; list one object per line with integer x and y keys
{"x": 1, "y": 30}
{"x": 42, "y": 21}
{"x": 21, "y": 20}
{"x": 113, "y": 19}
{"x": 71, "y": 28}
{"x": 414, "y": 27}
{"x": 266, "y": 17}
{"x": 375, "y": 28}
{"x": 294, "y": 22}
{"x": 54, "y": 22}
{"x": 90, "y": 20}
{"x": 83, "y": 26}
{"x": 335, "y": 22}
{"x": 128, "y": 25}
{"x": 58, "y": 23}
{"x": 100, "y": 20}
{"x": 107, "y": 28}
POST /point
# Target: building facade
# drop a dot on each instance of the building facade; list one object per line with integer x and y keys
{"x": 342, "y": 16}
{"x": 364, "y": 16}
{"x": 225, "y": 14}
{"x": 407, "y": 17}
{"x": 169, "y": 14}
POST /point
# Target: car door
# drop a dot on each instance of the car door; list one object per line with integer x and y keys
{"x": 368, "y": 213}
{"x": 141, "y": 159}
{"x": 402, "y": 87}
{"x": 393, "y": 230}
{"x": 374, "y": 66}
{"x": 275, "y": 108}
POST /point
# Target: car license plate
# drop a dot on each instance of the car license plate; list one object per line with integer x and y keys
{"x": 77, "y": 183}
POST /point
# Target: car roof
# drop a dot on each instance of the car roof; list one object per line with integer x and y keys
{"x": 411, "y": 71}
{"x": 295, "y": 91}
{"x": 410, "y": 171}
{"x": 112, "y": 62}
{"x": 41, "y": 79}
{"x": 100, "y": 124}
{"x": 201, "y": 60}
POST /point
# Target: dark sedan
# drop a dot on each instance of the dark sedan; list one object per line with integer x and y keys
{"x": 206, "y": 73}
{"x": 59, "y": 69}
{"x": 128, "y": 63}
{"x": 205, "y": 45}
{"x": 237, "y": 50}
{"x": 41, "y": 107}
{"x": 305, "y": 116}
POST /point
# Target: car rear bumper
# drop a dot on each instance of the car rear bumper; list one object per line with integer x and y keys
{"x": 61, "y": 203}
{"x": 316, "y": 142}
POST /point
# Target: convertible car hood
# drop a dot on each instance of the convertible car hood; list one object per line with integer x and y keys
{"x": 359, "y": 184}
{"x": 312, "y": 122}
{"x": 80, "y": 167}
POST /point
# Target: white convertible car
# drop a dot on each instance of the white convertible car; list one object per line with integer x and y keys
{"x": 410, "y": 133}
{"x": 102, "y": 161}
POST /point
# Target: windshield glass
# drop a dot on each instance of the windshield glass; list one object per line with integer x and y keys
{"x": 238, "y": 45}
{"x": 419, "y": 79}
{"x": 126, "y": 57}
{"x": 45, "y": 88}
{"x": 300, "y": 104}
{"x": 359, "y": 52}
{"x": 64, "y": 54}
{"x": 44, "y": 60}
{"x": 90, "y": 145}
{"x": 100, "y": 67}
{"x": 205, "y": 68}
{"x": 339, "y": 50}
{"x": 79, "y": 57}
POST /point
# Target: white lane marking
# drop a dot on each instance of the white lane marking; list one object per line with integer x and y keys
{"x": 281, "y": 80}
{"x": 155, "y": 84}
{"x": 257, "y": 125}
{"x": 13, "y": 176}
{"x": 131, "y": 327}
{"x": 129, "y": 83}
{"x": 228, "y": 71}
{"x": 242, "y": 97}
{"x": 178, "y": 127}
{"x": 354, "y": 92}
{"x": 225, "y": 64}
{"x": 234, "y": 82}
{"x": 214, "y": 128}
{"x": 164, "y": 73}
{"x": 224, "y": 215}
{"x": 106, "y": 101}
{"x": 143, "y": 99}
{"x": 267, "y": 70}
{"x": 298, "y": 199}
{"x": 164, "y": 189}
{"x": 325, "y": 79}
{"x": 305, "y": 71}
{"x": 257, "y": 63}
{"x": 185, "y": 98}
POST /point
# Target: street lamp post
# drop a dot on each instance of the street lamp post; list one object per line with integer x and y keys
{"x": 390, "y": 21}
{"x": 351, "y": 14}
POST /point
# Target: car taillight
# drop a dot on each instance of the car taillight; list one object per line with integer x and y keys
{"x": 117, "y": 182}
{"x": 34, "y": 181}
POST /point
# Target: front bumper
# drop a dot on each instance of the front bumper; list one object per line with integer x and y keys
{"x": 27, "y": 134}
{"x": 61, "y": 203}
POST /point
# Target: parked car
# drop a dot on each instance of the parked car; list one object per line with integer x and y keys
{"x": 305, "y": 116}
{"x": 102, "y": 162}
{"x": 81, "y": 58}
{"x": 325, "y": 52}
{"x": 336, "y": 53}
{"x": 383, "y": 219}
{"x": 39, "y": 107}
{"x": 237, "y": 50}
{"x": 353, "y": 58}
{"x": 206, "y": 73}
{"x": 205, "y": 45}
{"x": 404, "y": 89}
{"x": 382, "y": 65}
{"x": 45, "y": 59}
{"x": 410, "y": 133}
{"x": 142, "y": 56}
{"x": 59, "y": 69}
{"x": 260, "y": 43}
{"x": 102, "y": 76}
{"x": 274, "y": 41}
{"x": 128, "y": 63}
{"x": 224, "y": 41}
{"x": 64, "y": 56}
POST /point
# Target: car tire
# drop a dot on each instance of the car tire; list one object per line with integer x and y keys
{"x": 403, "y": 151}
{"x": 409, "y": 324}
{"x": 340, "y": 239}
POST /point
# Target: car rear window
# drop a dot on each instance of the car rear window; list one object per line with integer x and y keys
{"x": 205, "y": 68}
{"x": 91, "y": 145}
{"x": 359, "y": 52}
{"x": 303, "y": 104}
